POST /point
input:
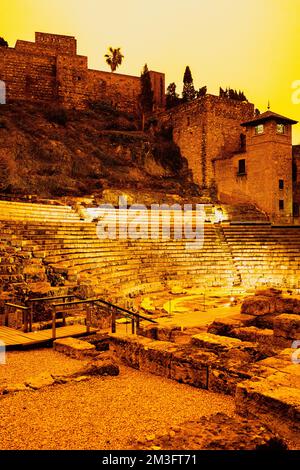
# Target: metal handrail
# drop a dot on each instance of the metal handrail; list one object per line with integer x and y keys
{"x": 129, "y": 312}
{"x": 135, "y": 317}
{"x": 21, "y": 307}
{"x": 47, "y": 299}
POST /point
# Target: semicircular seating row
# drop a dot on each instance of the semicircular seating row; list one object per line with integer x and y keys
{"x": 253, "y": 254}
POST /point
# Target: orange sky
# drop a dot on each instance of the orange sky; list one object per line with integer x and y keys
{"x": 251, "y": 45}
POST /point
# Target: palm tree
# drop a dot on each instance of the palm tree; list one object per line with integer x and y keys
{"x": 114, "y": 58}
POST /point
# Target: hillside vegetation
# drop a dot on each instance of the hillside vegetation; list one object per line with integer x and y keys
{"x": 52, "y": 152}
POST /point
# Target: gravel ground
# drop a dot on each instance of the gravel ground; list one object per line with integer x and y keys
{"x": 20, "y": 365}
{"x": 103, "y": 413}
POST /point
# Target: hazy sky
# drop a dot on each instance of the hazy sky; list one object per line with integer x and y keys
{"x": 253, "y": 45}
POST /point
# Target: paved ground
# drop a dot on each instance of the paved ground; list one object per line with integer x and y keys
{"x": 20, "y": 365}
{"x": 103, "y": 413}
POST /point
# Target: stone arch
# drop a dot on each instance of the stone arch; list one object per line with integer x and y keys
{"x": 2, "y": 92}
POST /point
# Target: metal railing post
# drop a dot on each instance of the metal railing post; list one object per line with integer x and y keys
{"x": 88, "y": 318}
{"x": 31, "y": 309}
{"x": 53, "y": 324}
{"x": 113, "y": 320}
{"x": 6, "y": 314}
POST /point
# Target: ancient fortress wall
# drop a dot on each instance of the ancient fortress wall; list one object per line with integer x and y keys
{"x": 206, "y": 128}
{"x": 50, "y": 70}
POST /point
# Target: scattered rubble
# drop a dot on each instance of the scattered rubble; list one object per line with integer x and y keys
{"x": 208, "y": 434}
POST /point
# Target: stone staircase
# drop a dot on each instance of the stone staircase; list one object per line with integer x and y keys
{"x": 265, "y": 255}
{"x": 72, "y": 249}
{"x": 54, "y": 237}
{"x": 37, "y": 212}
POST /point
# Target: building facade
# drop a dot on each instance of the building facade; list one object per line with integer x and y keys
{"x": 262, "y": 172}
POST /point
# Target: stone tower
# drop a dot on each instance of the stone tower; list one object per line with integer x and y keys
{"x": 261, "y": 173}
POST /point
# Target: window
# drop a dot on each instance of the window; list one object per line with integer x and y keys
{"x": 243, "y": 142}
{"x": 259, "y": 129}
{"x": 281, "y": 204}
{"x": 280, "y": 128}
{"x": 242, "y": 167}
{"x": 281, "y": 184}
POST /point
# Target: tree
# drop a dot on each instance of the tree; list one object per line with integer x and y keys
{"x": 188, "y": 92}
{"x": 172, "y": 98}
{"x": 114, "y": 58}
{"x": 146, "y": 96}
{"x": 3, "y": 43}
{"x": 201, "y": 92}
{"x": 232, "y": 94}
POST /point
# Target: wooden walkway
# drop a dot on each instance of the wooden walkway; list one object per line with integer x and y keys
{"x": 16, "y": 339}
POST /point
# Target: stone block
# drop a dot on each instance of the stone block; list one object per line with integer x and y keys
{"x": 258, "y": 305}
{"x": 227, "y": 347}
{"x": 128, "y": 348}
{"x": 156, "y": 358}
{"x": 40, "y": 381}
{"x": 74, "y": 347}
{"x": 215, "y": 343}
{"x": 105, "y": 367}
{"x": 190, "y": 367}
{"x": 287, "y": 326}
{"x": 287, "y": 305}
{"x": 224, "y": 326}
{"x": 274, "y": 404}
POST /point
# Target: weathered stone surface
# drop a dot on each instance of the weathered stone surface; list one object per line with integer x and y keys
{"x": 42, "y": 380}
{"x": 105, "y": 367}
{"x": 263, "y": 338}
{"x": 275, "y": 400}
{"x": 287, "y": 305}
{"x": 180, "y": 337}
{"x": 227, "y": 347}
{"x": 270, "y": 292}
{"x": 161, "y": 333}
{"x": 287, "y": 326}
{"x": 254, "y": 334}
{"x": 215, "y": 342}
{"x": 258, "y": 305}
{"x": 224, "y": 326}
{"x": 191, "y": 367}
{"x": 127, "y": 348}
{"x": 218, "y": 370}
{"x": 156, "y": 358}
{"x": 13, "y": 388}
{"x": 208, "y": 434}
{"x": 73, "y": 347}
{"x": 265, "y": 321}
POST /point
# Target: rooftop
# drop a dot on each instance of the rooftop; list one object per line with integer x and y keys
{"x": 268, "y": 116}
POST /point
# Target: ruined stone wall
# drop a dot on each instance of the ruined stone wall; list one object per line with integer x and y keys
{"x": 206, "y": 128}
{"x": 50, "y": 70}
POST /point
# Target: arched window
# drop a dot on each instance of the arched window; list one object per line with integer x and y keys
{"x": 2, "y": 92}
